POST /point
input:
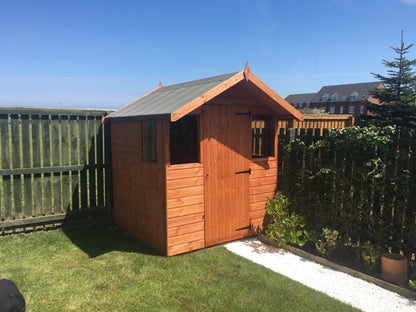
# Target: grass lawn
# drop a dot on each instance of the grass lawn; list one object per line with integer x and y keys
{"x": 100, "y": 269}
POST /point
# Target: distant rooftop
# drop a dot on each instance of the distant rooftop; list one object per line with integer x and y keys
{"x": 342, "y": 92}
{"x": 300, "y": 98}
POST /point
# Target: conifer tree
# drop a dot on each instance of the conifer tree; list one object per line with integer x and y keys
{"x": 398, "y": 97}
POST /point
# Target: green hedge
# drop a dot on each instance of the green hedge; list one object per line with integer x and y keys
{"x": 358, "y": 181}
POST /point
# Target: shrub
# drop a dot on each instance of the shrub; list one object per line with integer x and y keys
{"x": 285, "y": 227}
{"x": 328, "y": 241}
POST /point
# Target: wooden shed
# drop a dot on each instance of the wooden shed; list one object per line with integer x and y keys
{"x": 194, "y": 163}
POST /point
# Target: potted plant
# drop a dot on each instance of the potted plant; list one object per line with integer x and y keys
{"x": 394, "y": 267}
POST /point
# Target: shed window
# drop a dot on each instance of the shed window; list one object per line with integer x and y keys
{"x": 332, "y": 110}
{"x": 149, "y": 140}
{"x": 184, "y": 140}
{"x": 262, "y": 130}
{"x": 351, "y": 109}
{"x": 341, "y": 109}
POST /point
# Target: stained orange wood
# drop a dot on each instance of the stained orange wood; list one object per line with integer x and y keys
{"x": 185, "y": 229}
{"x": 261, "y": 173}
{"x": 185, "y": 238}
{"x": 197, "y": 171}
{"x": 227, "y": 150}
{"x": 257, "y": 225}
{"x": 185, "y": 192}
{"x": 261, "y": 197}
{"x": 185, "y": 207}
{"x": 185, "y": 210}
{"x": 257, "y": 214}
{"x": 194, "y": 104}
{"x": 266, "y": 163}
{"x": 186, "y": 219}
{"x": 264, "y": 189}
{"x": 260, "y": 89}
{"x": 265, "y": 180}
{"x": 184, "y": 183}
{"x": 186, "y": 247}
{"x": 257, "y": 206}
{"x": 185, "y": 201}
{"x": 139, "y": 204}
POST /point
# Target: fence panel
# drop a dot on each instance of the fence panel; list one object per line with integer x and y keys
{"x": 378, "y": 198}
{"x": 52, "y": 165}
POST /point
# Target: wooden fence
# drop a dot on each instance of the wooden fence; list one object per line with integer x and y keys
{"x": 361, "y": 186}
{"x": 316, "y": 124}
{"x": 54, "y": 164}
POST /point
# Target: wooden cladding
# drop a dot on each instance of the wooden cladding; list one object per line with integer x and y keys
{"x": 149, "y": 140}
{"x": 185, "y": 208}
{"x": 227, "y": 152}
{"x": 262, "y": 185}
{"x": 139, "y": 186}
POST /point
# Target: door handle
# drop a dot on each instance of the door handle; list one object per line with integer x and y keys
{"x": 245, "y": 171}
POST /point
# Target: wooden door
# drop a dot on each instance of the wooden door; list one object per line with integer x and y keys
{"x": 226, "y": 148}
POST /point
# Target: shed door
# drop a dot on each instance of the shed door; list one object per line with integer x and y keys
{"x": 227, "y": 141}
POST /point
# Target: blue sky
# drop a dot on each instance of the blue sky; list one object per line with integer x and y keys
{"x": 103, "y": 54}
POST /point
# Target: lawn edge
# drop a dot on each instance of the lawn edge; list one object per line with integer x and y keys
{"x": 397, "y": 289}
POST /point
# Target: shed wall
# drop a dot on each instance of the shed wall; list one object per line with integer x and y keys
{"x": 262, "y": 185}
{"x": 139, "y": 188}
{"x": 185, "y": 208}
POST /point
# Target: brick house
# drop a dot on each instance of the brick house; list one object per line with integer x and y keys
{"x": 338, "y": 99}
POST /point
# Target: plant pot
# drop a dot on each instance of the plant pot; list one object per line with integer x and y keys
{"x": 394, "y": 267}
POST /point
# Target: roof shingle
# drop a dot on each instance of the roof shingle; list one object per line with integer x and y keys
{"x": 166, "y": 100}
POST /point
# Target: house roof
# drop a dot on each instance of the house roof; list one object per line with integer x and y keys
{"x": 343, "y": 91}
{"x": 300, "y": 98}
{"x": 178, "y": 100}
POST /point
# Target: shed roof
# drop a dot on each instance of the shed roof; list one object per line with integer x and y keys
{"x": 178, "y": 100}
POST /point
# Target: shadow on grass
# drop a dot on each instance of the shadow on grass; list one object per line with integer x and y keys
{"x": 96, "y": 240}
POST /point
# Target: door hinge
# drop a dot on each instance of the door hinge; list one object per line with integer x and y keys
{"x": 244, "y": 228}
{"x": 244, "y": 171}
{"x": 243, "y": 114}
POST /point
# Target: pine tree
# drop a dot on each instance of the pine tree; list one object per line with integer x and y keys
{"x": 398, "y": 97}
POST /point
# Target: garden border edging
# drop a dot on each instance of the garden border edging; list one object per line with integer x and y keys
{"x": 401, "y": 291}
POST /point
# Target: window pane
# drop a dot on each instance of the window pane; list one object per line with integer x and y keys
{"x": 351, "y": 110}
{"x": 184, "y": 140}
{"x": 149, "y": 140}
{"x": 262, "y": 136}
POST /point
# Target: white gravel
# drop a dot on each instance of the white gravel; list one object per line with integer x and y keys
{"x": 346, "y": 288}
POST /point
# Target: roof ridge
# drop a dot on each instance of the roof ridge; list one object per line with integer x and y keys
{"x": 198, "y": 81}
{"x": 354, "y": 83}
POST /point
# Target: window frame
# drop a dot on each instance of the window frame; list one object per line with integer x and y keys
{"x": 149, "y": 141}
{"x": 186, "y": 121}
{"x": 266, "y": 136}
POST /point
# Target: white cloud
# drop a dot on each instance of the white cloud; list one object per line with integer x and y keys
{"x": 409, "y": 1}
